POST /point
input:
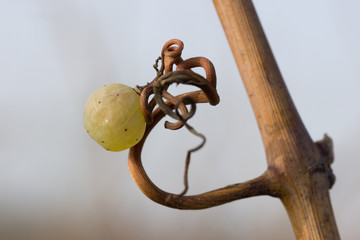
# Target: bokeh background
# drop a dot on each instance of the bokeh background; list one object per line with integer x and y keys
{"x": 57, "y": 183}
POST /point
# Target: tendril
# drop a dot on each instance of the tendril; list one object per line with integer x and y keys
{"x": 183, "y": 119}
{"x": 176, "y": 106}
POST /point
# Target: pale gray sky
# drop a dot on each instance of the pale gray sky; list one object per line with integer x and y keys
{"x": 57, "y": 183}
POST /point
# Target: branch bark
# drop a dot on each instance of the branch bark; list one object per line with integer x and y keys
{"x": 302, "y": 167}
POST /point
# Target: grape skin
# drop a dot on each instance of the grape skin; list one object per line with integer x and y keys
{"x": 113, "y": 117}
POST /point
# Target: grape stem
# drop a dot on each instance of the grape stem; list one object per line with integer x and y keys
{"x": 176, "y": 108}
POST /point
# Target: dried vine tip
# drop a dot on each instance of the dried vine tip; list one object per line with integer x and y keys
{"x": 113, "y": 117}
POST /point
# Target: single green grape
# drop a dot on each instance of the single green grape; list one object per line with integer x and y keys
{"x": 113, "y": 117}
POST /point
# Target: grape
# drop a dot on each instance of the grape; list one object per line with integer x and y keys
{"x": 113, "y": 117}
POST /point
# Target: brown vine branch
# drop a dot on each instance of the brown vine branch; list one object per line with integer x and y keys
{"x": 301, "y": 166}
{"x": 298, "y": 172}
{"x": 176, "y": 108}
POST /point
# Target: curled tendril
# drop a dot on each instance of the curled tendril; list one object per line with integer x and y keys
{"x": 183, "y": 118}
{"x": 185, "y": 77}
{"x": 170, "y": 56}
{"x": 155, "y": 92}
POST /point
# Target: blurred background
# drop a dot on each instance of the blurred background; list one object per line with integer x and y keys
{"x": 57, "y": 183}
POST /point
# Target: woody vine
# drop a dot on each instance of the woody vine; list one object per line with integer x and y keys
{"x": 298, "y": 169}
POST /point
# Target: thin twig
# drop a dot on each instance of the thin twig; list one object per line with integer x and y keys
{"x": 193, "y": 131}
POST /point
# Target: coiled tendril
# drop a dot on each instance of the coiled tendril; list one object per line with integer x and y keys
{"x": 176, "y": 106}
